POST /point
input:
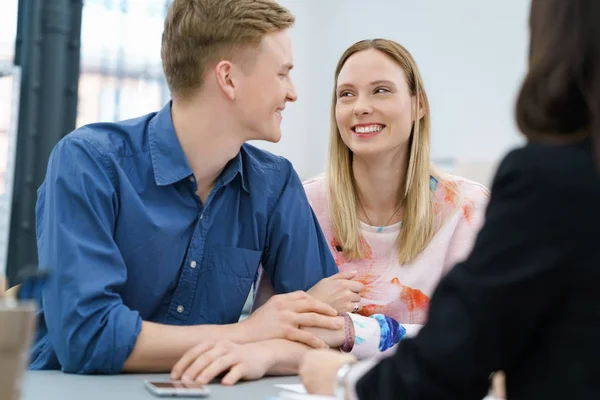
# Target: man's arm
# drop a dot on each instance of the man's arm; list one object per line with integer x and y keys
{"x": 160, "y": 346}
{"x": 297, "y": 255}
{"x": 89, "y": 327}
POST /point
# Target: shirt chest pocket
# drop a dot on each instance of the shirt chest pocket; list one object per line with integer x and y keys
{"x": 226, "y": 282}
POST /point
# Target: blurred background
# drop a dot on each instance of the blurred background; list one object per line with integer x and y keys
{"x": 66, "y": 63}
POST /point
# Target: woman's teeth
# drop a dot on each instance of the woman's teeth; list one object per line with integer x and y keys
{"x": 368, "y": 129}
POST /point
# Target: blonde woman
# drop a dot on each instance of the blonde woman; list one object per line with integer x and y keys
{"x": 386, "y": 212}
{"x": 394, "y": 224}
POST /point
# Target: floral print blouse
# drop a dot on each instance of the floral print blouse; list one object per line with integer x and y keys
{"x": 396, "y": 297}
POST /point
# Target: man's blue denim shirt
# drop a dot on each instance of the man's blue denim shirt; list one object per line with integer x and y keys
{"x": 125, "y": 238}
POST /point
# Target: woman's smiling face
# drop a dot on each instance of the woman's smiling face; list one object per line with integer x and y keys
{"x": 375, "y": 108}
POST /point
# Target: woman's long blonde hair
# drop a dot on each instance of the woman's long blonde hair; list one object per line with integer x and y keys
{"x": 418, "y": 224}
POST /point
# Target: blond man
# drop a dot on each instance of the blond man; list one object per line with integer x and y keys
{"x": 153, "y": 229}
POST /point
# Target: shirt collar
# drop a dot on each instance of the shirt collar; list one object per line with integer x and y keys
{"x": 168, "y": 159}
{"x": 234, "y": 167}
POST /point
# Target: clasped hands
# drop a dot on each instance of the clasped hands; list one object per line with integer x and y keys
{"x": 309, "y": 318}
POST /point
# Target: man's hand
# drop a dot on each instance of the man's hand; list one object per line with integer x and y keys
{"x": 339, "y": 291}
{"x": 282, "y": 316}
{"x": 318, "y": 370}
{"x": 208, "y": 360}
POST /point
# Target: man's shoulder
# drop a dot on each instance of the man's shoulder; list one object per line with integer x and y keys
{"x": 262, "y": 165}
{"x": 112, "y": 139}
{"x": 264, "y": 158}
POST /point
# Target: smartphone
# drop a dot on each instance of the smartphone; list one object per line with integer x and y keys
{"x": 177, "y": 389}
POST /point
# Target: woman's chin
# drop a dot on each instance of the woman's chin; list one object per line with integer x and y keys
{"x": 367, "y": 149}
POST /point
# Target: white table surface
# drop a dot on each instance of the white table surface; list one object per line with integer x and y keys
{"x": 55, "y": 385}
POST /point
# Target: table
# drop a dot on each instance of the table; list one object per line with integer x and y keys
{"x": 55, "y": 385}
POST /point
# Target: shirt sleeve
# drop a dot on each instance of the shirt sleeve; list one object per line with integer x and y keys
{"x": 89, "y": 327}
{"x": 378, "y": 334}
{"x": 470, "y": 331}
{"x": 367, "y": 336}
{"x": 297, "y": 255}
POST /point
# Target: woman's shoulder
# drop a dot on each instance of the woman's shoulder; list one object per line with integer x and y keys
{"x": 558, "y": 167}
{"x": 558, "y": 180}
{"x": 454, "y": 191}
{"x": 471, "y": 191}
{"x": 316, "y": 191}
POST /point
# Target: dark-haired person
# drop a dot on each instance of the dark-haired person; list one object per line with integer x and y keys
{"x": 526, "y": 300}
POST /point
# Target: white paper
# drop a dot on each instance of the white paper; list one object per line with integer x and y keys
{"x": 294, "y": 387}
{"x": 298, "y": 396}
{"x": 298, "y": 392}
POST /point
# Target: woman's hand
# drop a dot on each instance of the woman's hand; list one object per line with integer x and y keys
{"x": 318, "y": 370}
{"x": 334, "y": 338}
{"x": 340, "y": 291}
{"x": 498, "y": 386}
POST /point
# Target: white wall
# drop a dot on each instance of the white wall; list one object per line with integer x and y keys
{"x": 471, "y": 53}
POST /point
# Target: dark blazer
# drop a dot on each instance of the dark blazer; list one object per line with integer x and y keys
{"x": 526, "y": 301}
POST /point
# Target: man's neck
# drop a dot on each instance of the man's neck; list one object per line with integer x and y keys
{"x": 380, "y": 182}
{"x": 208, "y": 141}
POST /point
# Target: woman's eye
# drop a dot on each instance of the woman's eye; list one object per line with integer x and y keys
{"x": 345, "y": 94}
{"x": 381, "y": 90}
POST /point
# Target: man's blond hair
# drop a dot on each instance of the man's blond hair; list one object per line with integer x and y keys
{"x": 199, "y": 33}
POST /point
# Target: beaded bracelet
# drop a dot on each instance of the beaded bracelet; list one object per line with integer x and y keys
{"x": 349, "y": 342}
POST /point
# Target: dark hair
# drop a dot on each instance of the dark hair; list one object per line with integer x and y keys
{"x": 560, "y": 96}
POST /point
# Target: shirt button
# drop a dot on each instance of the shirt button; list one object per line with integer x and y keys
{"x": 191, "y": 178}
{"x": 179, "y": 309}
{"x": 193, "y": 264}
{"x": 201, "y": 216}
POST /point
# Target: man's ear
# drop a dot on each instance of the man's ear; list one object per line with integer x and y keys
{"x": 223, "y": 71}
